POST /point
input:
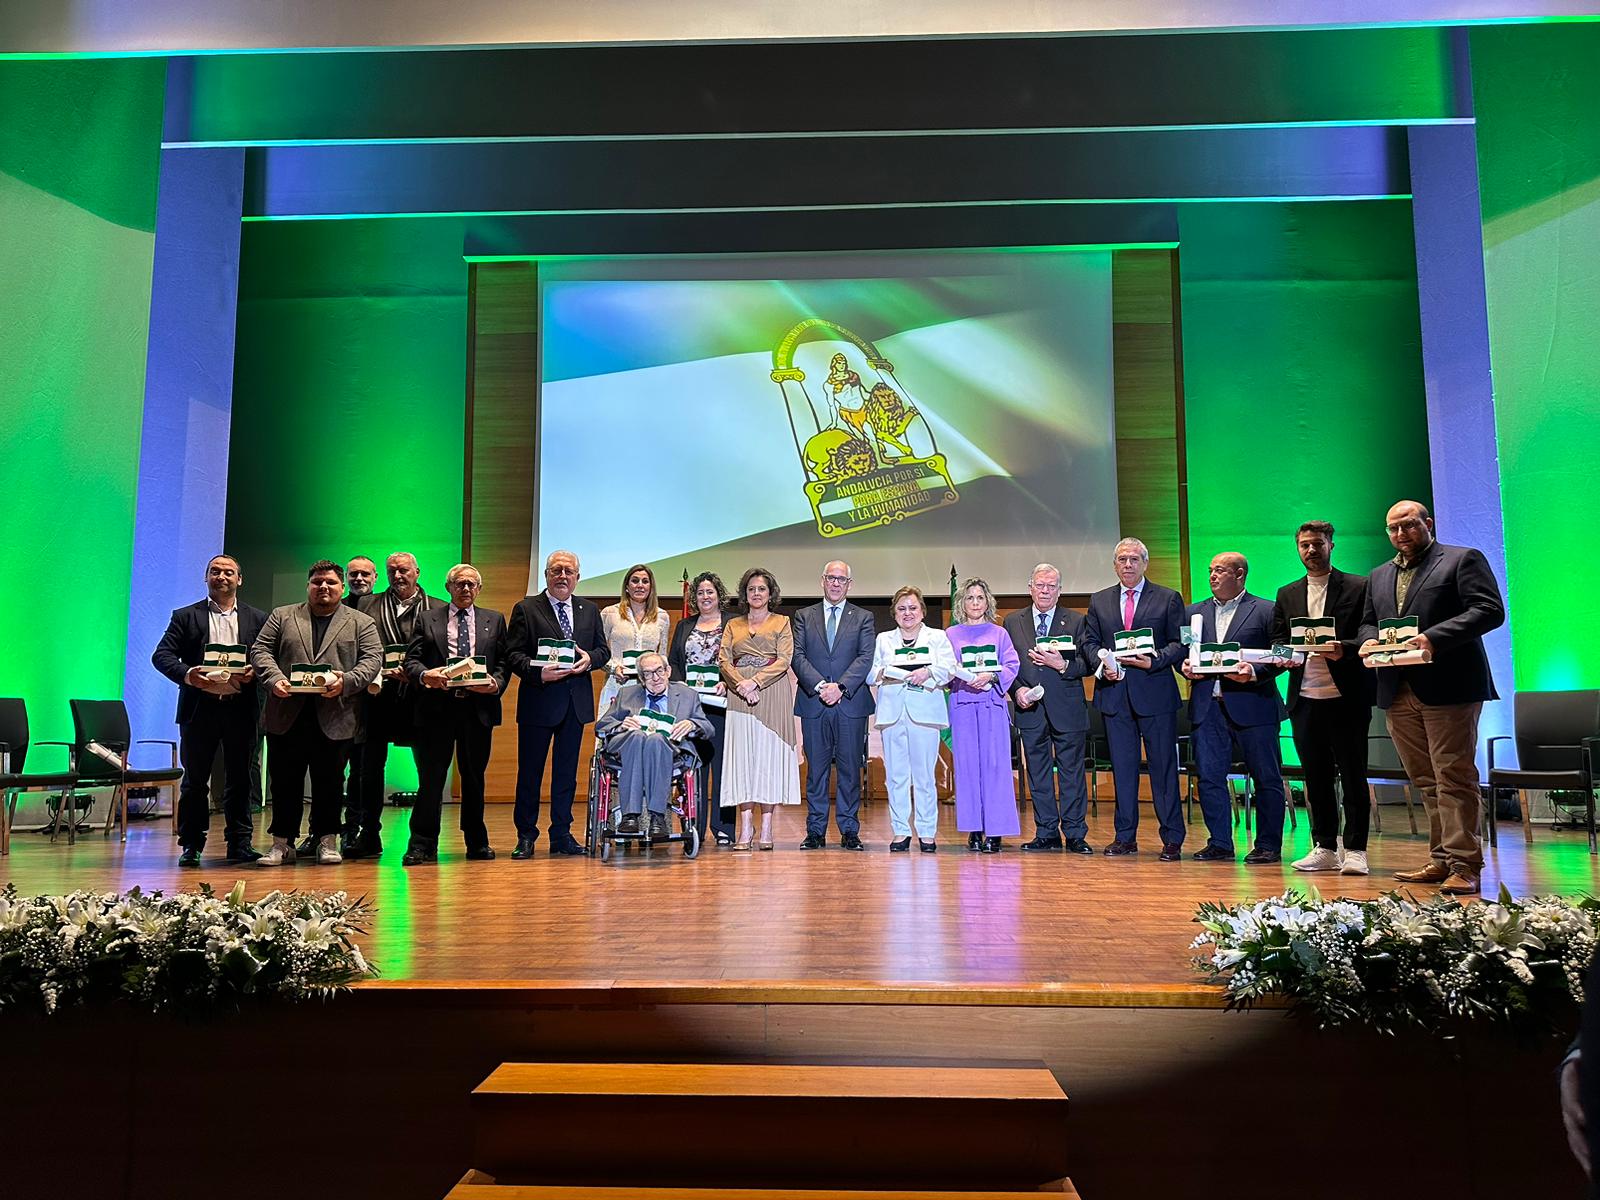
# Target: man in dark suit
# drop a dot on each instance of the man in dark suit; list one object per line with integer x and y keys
{"x": 645, "y": 757}
{"x": 213, "y": 713}
{"x": 555, "y": 703}
{"x": 312, "y": 731}
{"x": 1240, "y": 708}
{"x": 451, "y": 721}
{"x": 1139, "y": 696}
{"x": 1054, "y": 727}
{"x": 833, "y": 644}
{"x": 1330, "y": 703}
{"x": 1432, "y": 709}
{"x": 389, "y": 716}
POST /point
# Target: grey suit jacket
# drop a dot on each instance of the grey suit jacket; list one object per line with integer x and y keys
{"x": 683, "y": 704}
{"x": 351, "y": 645}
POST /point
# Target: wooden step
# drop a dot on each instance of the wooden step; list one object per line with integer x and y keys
{"x": 771, "y": 1126}
{"x": 482, "y": 1190}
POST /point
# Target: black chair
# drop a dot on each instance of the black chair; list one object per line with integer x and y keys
{"x": 1556, "y": 733}
{"x": 1383, "y": 766}
{"x": 15, "y": 779}
{"x": 104, "y": 724}
{"x": 1241, "y": 803}
{"x": 1096, "y": 755}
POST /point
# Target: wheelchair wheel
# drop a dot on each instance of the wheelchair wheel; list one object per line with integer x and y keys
{"x": 691, "y": 840}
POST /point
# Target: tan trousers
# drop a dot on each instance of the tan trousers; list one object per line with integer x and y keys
{"x": 1438, "y": 745}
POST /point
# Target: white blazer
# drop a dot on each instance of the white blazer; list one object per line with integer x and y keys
{"x": 925, "y": 705}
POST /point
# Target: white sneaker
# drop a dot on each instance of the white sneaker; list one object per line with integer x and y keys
{"x": 1355, "y": 862}
{"x": 281, "y": 854}
{"x": 328, "y": 850}
{"x": 1320, "y": 859}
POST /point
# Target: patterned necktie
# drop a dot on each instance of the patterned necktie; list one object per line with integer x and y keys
{"x": 1044, "y": 624}
{"x": 1127, "y": 608}
{"x": 566, "y": 621}
{"x": 833, "y": 623}
{"x": 463, "y": 635}
{"x": 653, "y": 701}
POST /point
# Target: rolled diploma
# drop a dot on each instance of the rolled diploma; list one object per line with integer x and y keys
{"x": 1196, "y": 624}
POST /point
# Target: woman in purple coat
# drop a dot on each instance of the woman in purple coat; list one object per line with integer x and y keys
{"x": 980, "y": 723}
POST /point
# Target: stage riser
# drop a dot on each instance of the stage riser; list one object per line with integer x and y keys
{"x": 369, "y": 1095}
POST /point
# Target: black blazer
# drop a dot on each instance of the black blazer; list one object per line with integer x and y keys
{"x": 678, "y": 652}
{"x": 1346, "y": 604}
{"x": 1456, "y": 601}
{"x": 183, "y": 645}
{"x": 429, "y": 648}
{"x": 1063, "y": 694}
{"x": 538, "y": 702}
{"x": 1146, "y": 693}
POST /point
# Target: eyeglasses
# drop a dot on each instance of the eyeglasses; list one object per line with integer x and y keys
{"x": 653, "y": 673}
{"x": 836, "y": 579}
{"x": 470, "y": 584}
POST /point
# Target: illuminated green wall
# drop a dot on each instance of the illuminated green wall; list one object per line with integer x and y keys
{"x": 79, "y": 155}
{"x": 1302, "y": 377}
{"x": 349, "y": 408}
{"x": 1537, "y": 93}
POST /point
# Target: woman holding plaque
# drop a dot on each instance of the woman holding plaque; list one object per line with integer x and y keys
{"x": 636, "y": 624}
{"x": 911, "y": 664}
{"x": 697, "y": 642}
{"x": 980, "y": 722}
{"x": 758, "y": 754}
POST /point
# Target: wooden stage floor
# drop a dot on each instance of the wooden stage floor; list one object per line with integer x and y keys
{"x": 790, "y": 926}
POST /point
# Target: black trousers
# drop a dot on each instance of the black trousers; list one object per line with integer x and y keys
{"x": 387, "y": 724}
{"x": 289, "y": 757}
{"x": 835, "y": 745}
{"x": 1055, "y": 760}
{"x": 710, "y": 815}
{"x": 533, "y": 748}
{"x": 456, "y": 733}
{"x": 228, "y": 726}
{"x": 1331, "y": 738}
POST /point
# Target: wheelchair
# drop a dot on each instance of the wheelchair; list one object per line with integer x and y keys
{"x": 602, "y": 836}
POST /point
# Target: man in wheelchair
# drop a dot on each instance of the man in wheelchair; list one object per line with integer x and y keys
{"x": 647, "y": 733}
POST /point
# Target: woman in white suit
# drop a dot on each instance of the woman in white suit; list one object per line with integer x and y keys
{"x": 911, "y": 664}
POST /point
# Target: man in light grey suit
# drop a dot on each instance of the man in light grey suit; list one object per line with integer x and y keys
{"x": 312, "y": 731}
{"x": 646, "y": 756}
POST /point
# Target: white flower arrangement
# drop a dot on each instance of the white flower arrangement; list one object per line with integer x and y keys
{"x": 1395, "y": 961}
{"x": 189, "y": 953}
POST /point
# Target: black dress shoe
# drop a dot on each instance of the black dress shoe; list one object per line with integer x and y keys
{"x": 524, "y": 848}
{"x": 722, "y": 839}
{"x": 1042, "y": 843}
{"x": 1079, "y": 846}
{"x": 1210, "y": 853}
{"x": 368, "y": 845}
{"x": 630, "y": 824}
{"x": 851, "y": 841}
{"x": 658, "y": 826}
{"x": 991, "y": 846}
{"x": 814, "y": 841}
{"x": 975, "y": 840}
{"x": 242, "y": 853}
{"x": 926, "y": 846}
{"x": 568, "y": 845}
{"x": 1170, "y": 852}
{"x": 480, "y": 854}
{"x": 1118, "y": 848}
{"x": 1258, "y": 856}
{"x": 417, "y": 855}
{"x": 307, "y": 847}
{"x": 900, "y": 846}
{"x": 189, "y": 858}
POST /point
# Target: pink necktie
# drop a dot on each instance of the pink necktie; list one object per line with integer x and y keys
{"x": 1127, "y": 608}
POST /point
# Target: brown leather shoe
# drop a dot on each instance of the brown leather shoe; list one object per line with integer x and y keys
{"x": 1434, "y": 872}
{"x": 1461, "y": 883}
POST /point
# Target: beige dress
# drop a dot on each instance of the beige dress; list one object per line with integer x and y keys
{"x": 759, "y": 761}
{"x": 624, "y": 633}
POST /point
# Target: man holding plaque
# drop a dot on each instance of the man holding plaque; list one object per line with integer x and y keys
{"x": 1052, "y": 719}
{"x": 390, "y": 716}
{"x": 1432, "y": 706}
{"x": 833, "y": 645}
{"x": 1240, "y": 706}
{"x": 1137, "y": 694}
{"x": 205, "y": 652}
{"x": 553, "y": 641}
{"x": 1330, "y": 699}
{"x": 315, "y": 661}
{"x": 457, "y": 659}
{"x": 648, "y": 731}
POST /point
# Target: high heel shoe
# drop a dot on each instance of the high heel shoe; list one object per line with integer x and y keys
{"x": 901, "y": 846}
{"x": 763, "y": 845}
{"x": 927, "y": 845}
{"x": 975, "y": 841}
{"x": 993, "y": 847}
